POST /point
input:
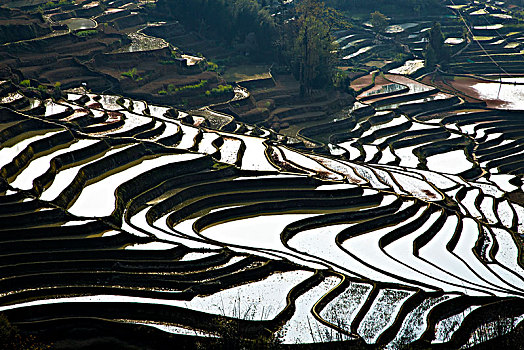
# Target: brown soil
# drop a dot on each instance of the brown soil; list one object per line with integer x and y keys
{"x": 463, "y": 86}
{"x": 362, "y": 82}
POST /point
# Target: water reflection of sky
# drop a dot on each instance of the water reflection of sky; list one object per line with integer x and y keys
{"x": 512, "y": 95}
{"x": 386, "y": 89}
{"x": 80, "y": 23}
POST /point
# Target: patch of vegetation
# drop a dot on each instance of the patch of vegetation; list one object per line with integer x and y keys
{"x": 342, "y": 82}
{"x": 172, "y": 89}
{"x": 54, "y": 4}
{"x": 437, "y": 53}
{"x": 57, "y": 90}
{"x": 220, "y": 90}
{"x": 220, "y": 166}
{"x": 86, "y": 33}
{"x": 208, "y": 66}
{"x": 400, "y": 57}
{"x": 307, "y": 44}
{"x": 25, "y": 83}
{"x": 130, "y": 73}
{"x": 379, "y": 21}
{"x": 171, "y": 60}
{"x": 229, "y": 20}
{"x": 133, "y": 74}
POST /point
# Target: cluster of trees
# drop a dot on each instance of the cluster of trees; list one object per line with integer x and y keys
{"x": 437, "y": 52}
{"x": 299, "y": 38}
{"x": 235, "y": 21}
{"x": 54, "y": 4}
{"x": 379, "y": 21}
{"x": 306, "y": 44}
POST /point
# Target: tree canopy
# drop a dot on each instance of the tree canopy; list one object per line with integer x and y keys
{"x": 379, "y": 21}
{"x": 301, "y": 39}
{"x": 308, "y": 44}
{"x": 437, "y": 53}
{"x": 229, "y": 20}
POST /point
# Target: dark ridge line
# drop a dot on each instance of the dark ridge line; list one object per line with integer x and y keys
{"x": 72, "y": 159}
{"x": 320, "y": 205}
{"x": 409, "y": 305}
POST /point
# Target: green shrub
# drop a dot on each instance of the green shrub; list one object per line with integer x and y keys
{"x": 219, "y": 90}
{"x": 399, "y": 57}
{"x": 174, "y": 55}
{"x": 57, "y": 90}
{"x": 26, "y": 83}
{"x": 210, "y": 66}
{"x": 172, "y": 89}
{"x": 85, "y": 33}
{"x": 133, "y": 74}
{"x": 54, "y": 4}
{"x": 201, "y": 84}
{"x": 341, "y": 81}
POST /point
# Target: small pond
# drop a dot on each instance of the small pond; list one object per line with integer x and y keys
{"x": 75, "y": 24}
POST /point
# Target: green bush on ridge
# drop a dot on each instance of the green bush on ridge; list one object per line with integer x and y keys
{"x": 172, "y": 89}
{"x": 54, "y": 4}
{"x": 133, "y": 74}
{"x": 86, "y": 33}
{"x": 220, "y": 90}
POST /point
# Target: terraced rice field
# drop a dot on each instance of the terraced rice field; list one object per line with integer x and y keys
{"x": 407, "y": 232}
{"x": 397, "y": 222}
